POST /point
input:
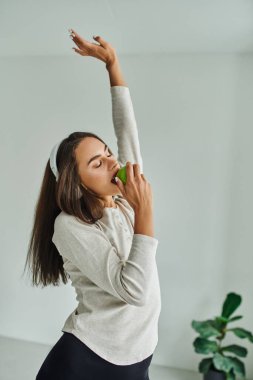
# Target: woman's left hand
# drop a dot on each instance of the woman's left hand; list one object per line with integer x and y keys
{"x": 104, "y": 51}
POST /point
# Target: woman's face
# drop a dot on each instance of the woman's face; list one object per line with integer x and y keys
{"x": 96, "y": 172}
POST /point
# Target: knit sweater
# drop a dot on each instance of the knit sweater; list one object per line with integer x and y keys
{"x": 112, "y": 269}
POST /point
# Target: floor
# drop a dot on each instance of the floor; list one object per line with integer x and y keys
{"x": 21, "y": 360}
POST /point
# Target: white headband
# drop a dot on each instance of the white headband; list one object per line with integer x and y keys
{"x": 53, "y": 160}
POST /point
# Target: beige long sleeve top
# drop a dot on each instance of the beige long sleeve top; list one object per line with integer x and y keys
{"x": 113, "y": 270}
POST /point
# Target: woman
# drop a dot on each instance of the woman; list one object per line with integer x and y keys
{"x": 99, "y": 233}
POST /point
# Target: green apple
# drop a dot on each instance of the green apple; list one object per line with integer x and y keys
{"x": 122, "y": 174}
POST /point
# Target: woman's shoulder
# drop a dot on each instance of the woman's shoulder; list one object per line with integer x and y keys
{"x": 69, "y": 220}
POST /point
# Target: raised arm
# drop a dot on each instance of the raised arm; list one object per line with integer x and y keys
{"x": 122, "y": 108}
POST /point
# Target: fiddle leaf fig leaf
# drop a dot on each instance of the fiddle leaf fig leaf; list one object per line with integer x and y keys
{"x": 221, "y": 319}
{"x": 205, "y": 365}
{"x": 235, "y": 318}
{"x": 236, "y": 349}
{"x": 230, "y": 375}
{"x": 205, "y": 346}
{"x": 222, "y": 363}
{"x": 219, "y": 324}
{"x": 231, "y": 303}
{"x": 205, "y": 328}
{"x": 238, "y": 366}
{"x": 242, "y": 333}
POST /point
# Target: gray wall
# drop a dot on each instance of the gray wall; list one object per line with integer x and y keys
{"x": 194, "y": 114}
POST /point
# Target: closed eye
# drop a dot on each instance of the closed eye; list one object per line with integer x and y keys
{"x": 101, "y": 161}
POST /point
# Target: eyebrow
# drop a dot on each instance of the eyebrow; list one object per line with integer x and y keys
{"x": 98, "y": 155}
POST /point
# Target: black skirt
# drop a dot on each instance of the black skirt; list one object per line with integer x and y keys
{"x": 71, "y": 359}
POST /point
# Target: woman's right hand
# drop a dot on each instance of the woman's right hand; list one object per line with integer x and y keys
{"x": 137, "y": 190}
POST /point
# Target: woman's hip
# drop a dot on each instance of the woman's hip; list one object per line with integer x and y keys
{"x": 71, "y": 359}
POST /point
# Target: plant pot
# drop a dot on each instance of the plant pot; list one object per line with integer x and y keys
{"x": 214, "y": 375}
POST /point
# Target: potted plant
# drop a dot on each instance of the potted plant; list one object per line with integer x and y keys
{"x": 221, "y": 366}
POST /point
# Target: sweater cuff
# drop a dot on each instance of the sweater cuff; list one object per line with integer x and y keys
{"x": 119, "y": 90}
{"x": 149, "y": 242}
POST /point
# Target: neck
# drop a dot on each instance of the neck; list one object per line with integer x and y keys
{"x": 109, "y": 202}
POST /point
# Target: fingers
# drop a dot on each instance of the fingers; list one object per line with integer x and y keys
{"x": 95, "y": 43}
{"x": 101, "y": 41}
{"x": 80, "y": 41}
{"x": 129, "y": 171}
{"x": 81, "y": 52}
{"x": 136, "y": 170}
{"x": 76, "y": 38}
{"x": 120, "y": 185}
{"x": 74, "y": 33}
{"x": 96, "y": 39}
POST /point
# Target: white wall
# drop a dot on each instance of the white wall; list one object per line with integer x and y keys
{"x": 194, "y": 114}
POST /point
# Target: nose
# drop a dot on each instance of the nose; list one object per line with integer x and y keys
{"x": 115, "y": 166}
{"x": 112, "y": 163}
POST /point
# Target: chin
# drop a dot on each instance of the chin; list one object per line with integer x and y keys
{"x": 117, "y": 192}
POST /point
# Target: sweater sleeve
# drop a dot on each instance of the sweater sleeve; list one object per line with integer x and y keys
{"x": 90, "y": 251}
{"x": 125, "y": 127}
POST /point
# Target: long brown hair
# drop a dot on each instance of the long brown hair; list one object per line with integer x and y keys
{"x": 68, "y": 195}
